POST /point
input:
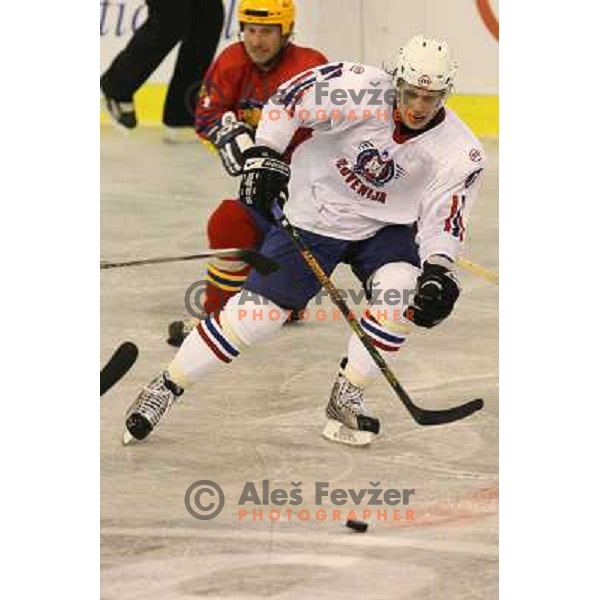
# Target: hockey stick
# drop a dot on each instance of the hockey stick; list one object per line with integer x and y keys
{"x": 262, "y": 264}
{"x": 119, "y": 363}
{"x": 478, "y": 270}
{"x": 421, "y": 415}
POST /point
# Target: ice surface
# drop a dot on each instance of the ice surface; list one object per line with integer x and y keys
{"x": 261, "y": 418}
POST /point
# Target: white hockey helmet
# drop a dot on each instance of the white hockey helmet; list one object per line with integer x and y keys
{"x": 426, "y": 63}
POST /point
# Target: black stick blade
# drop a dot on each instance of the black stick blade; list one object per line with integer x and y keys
{"x": 441, "y": 417}
{"x": 258, "y": 261}
{"x": 119, "y": 363}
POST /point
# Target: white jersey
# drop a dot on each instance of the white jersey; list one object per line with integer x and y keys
{"x": 351, "y": 177}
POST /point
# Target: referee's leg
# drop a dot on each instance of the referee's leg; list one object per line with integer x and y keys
{"x": 196, "y": 53}
{"x": 164, "y": 27}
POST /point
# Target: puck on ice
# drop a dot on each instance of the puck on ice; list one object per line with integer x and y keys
{"x": 359, "y": 526}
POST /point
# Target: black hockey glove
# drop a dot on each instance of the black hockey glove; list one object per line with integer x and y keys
{"x": 437, "y": 291}
{"x": 231, "y": 138}
{"x": 265, "y": 178}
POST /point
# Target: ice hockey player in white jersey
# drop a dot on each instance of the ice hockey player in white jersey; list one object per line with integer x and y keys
{"x": 384, "y": 182}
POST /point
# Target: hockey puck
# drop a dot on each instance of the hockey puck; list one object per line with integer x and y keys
{"x": 359, "y": 526}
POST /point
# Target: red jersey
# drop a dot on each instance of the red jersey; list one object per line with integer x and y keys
{"x": 235, "y": 83}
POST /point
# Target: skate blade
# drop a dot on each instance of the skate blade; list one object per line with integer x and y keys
{"x": 127, "y": 438}
{"x": 124, "y": 131}
{"x": 179, "y": 135}
{"x": 338, "y": 432}
{"x": 119, "y": 127}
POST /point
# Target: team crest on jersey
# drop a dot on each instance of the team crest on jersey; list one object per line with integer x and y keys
{"x": 376, "y": 167}
{"x": 371, "y": 170}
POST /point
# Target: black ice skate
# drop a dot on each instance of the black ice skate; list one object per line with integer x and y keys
{"x": 122, "y": 114}
{"x": 349, "y": 422}
{"x": 179, "y": 330}
{"x": 151, "y": 405}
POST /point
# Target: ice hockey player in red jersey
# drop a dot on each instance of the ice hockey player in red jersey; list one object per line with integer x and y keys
{"x": 240, "y": 81}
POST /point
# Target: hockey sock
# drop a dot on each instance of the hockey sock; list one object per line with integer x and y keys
{"x": 384, "y": 322}
{"x": 220, "y": 338}
{"x": 229, "y": 226}
{"x": 387, "y": 336}
{"x": 223, "y": 282}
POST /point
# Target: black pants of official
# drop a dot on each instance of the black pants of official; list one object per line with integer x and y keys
{"x": 197, "y": 24}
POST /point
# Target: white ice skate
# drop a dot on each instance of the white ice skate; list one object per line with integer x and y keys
{"x": 151, "y": 405}
{"x": 349, "y": 422}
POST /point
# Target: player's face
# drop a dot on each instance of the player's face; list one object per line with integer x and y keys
{"x": 262, "y": 42}
{"x": 418, "y": 106}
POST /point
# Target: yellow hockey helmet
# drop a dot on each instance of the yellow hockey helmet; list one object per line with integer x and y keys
{"x": 268, "y": 12}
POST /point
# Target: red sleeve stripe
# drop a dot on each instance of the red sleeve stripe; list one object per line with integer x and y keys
{"x": 448, "y": 224}
{"x": 454, "y": 224}
{"x": 301, "y": 77}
